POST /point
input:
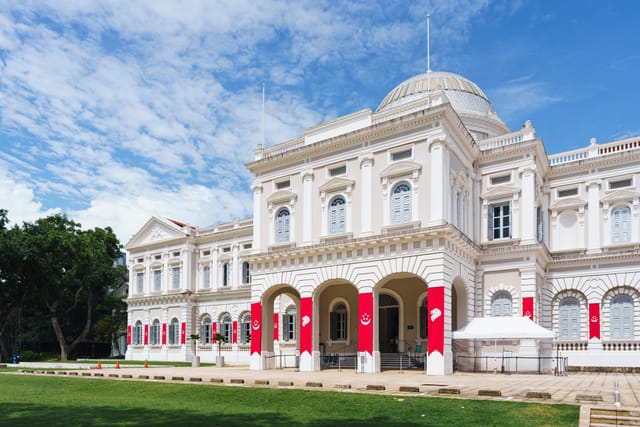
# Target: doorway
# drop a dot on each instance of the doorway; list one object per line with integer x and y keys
{"x": 388, "y": 324}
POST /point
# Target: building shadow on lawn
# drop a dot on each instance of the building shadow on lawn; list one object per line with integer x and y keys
{"x": 19, "y": 414}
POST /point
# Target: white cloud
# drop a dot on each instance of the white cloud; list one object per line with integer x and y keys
{"x": 115, "y": 111}
{"x": 523, "y": 94}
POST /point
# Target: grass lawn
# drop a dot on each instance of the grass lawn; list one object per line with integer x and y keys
{"x": 49, "y": 401}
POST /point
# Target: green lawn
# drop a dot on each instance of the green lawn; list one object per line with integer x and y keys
{"x": 48, "y": 401}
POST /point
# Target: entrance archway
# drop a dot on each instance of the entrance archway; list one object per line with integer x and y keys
{"x": 280, "y": 337}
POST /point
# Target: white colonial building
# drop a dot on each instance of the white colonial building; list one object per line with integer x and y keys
{"x": 380, "y": 233}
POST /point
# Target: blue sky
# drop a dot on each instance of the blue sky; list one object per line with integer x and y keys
{"x": 115, "y": 111}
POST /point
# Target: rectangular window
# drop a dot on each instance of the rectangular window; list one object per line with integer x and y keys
{"x": 206, "y": 253}
{"x": 339, "y": 170}
{"x": 495, "y": 180}
{"x": 157, "y": 257}
{"x": 157, "y": 280}
{"x": 283, "y": 184}
{"x": 500, "y": 221}
{"x": 401, "y": 155}
{"x": 227, "y": 249}
{"x": 247, "y": 246}
{"x": 175, "y": 278}
{"x": 620, "y": 184}
{"x": 206, "y": 277}
{"x": 289, "y": 325}
{"x": 140, "y": 283}
{"x": 568, "y": 192}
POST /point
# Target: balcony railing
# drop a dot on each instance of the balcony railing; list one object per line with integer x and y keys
{"x": 595, "y": 150}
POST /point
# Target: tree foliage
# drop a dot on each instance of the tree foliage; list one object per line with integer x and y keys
{"x": 57, "y": 270}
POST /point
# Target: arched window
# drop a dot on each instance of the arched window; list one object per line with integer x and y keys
{"x": 339, "y": 322}
{"x": 622, "y": 317}
{"x": 289, "y": 324}
{"x": 501, "y": 304}
{"x": 154, "y": 334}
{"x": 225, "y": 328}
{"x": 620, "y": 225}
{"x": 246, "y": 273}
{"x": 205, "y": 330}
{"x": 401, "y": 203}
{"x": 226, "y": 274}
{"x": 174, "y": 332}
{"x": 337, "y": 215}
{"x": 424, "y": 331}
{"x": 282, "y": 225}
{"x": 137, "y": 333}
{"x": 245, "y": 328}
{"x": 569, "y": 319}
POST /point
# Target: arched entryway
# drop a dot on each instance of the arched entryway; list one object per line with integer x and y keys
{"x": 401, "y": 321}
{"x": 281, "y": 331}
{"x": 336, "y": 308}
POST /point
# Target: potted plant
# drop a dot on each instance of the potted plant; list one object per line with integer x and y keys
{"x": 195, "y": 361}
{"x": 220, "y": 339}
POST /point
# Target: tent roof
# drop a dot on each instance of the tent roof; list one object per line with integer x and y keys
{"x": 502, "y": 328}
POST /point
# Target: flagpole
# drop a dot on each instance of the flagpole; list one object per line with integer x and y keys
{"x": 428, "y": 54}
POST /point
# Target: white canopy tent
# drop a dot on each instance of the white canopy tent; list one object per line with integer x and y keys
{"x": 503, "y": 328}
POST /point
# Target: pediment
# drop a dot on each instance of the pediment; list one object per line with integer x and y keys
{"x": 281, "y": 196}
{"x": 401, "y": 168}
{"x": 619, "y": 195}
{"x": 500, "y": 191}
{"x": 157, "y": 230}
{"x": 568, "y": 202}
{"x": 336, "y": 184}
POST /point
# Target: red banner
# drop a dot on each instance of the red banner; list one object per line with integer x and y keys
{"x": 146, "y": 334}
{"x": 256, "y": 328}
{"x": 234, "y": 332}
{"x": 276, "y": 333}
{"x": 435, "y": 320}
{"x": 183, "y": 333}
{"x": 594, "y": 320}
{"x": 128, "y": 334}
{"x": 306, "y": 325}
{"x": 164, "y": 334}
{"x": 214, "y": 331}
{"x": 365, "y": 322}
{"x": 527, "y": 307}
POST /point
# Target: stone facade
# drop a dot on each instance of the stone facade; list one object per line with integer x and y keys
{"x": 383, "y": 231}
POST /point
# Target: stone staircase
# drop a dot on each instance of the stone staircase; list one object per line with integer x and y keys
{"x": 612, "y": 417}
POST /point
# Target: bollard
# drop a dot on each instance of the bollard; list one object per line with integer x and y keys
{"x": 99, "y": 365}
{"x": 117, "y": 364}
{"x": 146, "y": 365}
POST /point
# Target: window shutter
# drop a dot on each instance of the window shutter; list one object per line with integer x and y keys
{"x": 342, "y": 219}
{"x": 285, "y": 328}
{"x": 490, "y": 222}
{"x": 627, "y": 320}
{"x": 333, "y": 325}
{"x": 616, "y": 318}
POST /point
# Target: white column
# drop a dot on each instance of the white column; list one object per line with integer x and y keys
{"x": 635, "y": 220}
{"x": 439, "y": 183}
{"x": 527, "y": 205}
{"x": 307, "y": 213}
{"x": 257, "y": 217}
{"x": 165, "y": 277}
{"x": 593, "y": 219}
{"x": 366, "y": 166}
{"x": 214, "y": 268}
{"x": 235, "y": 266}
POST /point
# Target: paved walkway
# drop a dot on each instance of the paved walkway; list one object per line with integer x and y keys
{"x": 582, "y": 388}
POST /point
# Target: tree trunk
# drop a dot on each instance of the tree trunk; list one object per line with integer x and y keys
{"x": 65, "y": 348}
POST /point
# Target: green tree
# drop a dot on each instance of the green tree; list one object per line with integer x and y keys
{"x": 13, "y": 290}
{"x": 71, "y": 272}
